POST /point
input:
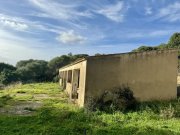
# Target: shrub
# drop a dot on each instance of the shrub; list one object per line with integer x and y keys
{"x": 8, "y": 76}
{"x": 116, "y": 99}
{"x": 168, "y": 112}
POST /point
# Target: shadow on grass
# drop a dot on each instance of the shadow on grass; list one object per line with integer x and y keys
{"x": 53, "y": 121}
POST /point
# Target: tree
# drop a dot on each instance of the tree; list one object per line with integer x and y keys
{"x": 6, "y": 66}
{"x": 8, "y": 76}
{"x": 56, "y": 63}
{"x": 78, "y": 56}
{"x": 145, "y": 48}
{"x": 97, "y": 54}
{"x": 162, "y": 46}
{"x": 33, "y": 71}
{"x": 36, "y": 70}
{"x": 174, "y": 41}
{"x": 23, "y": 63}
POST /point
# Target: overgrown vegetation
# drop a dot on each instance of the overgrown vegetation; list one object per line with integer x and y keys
{"x": 173, "y": 43}
{"x": 58, "y": 117}
{"x": 116, "y": 99}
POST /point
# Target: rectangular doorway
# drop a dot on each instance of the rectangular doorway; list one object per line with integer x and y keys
{"x": 76, "y": 81}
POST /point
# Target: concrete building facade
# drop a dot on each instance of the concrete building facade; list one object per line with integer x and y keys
{"x": 150, "y": 75}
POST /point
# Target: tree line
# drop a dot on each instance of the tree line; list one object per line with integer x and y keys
{"x": 173, "y": 43}
{"x": 27, "y": 71}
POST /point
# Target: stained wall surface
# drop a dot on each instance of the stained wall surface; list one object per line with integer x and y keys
{"x": 150, "y": 75}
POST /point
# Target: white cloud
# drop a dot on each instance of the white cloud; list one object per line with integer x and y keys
{"x": 170, "y": 13}
{"x": 25, "y": 25}
{"x": 113, "y": 12}
{"x": 148, "y": 11}
{"x": 70, "y": 37}
{"x": 58, "y": 10}
{"x": 13, "y": 22}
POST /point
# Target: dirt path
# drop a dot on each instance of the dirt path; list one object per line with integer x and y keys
{"x": 19, "y": 105}
{"x": 22, "y": 108}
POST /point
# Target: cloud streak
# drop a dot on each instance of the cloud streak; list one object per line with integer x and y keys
{"x": 12, "y": 22}
{"x": 170, "y": 13}
{"x": 70, "y": 37}
{"x": 58, "y": 10}
{"x": 113, "y": 12}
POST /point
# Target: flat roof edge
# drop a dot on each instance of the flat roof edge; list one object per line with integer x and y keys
{"x": 106, "y": 55}
{"x": 73, "y": 63}
{"x": 162, "y": 50}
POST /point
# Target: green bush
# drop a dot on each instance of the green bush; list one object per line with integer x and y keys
{"x": 8, "y": 76}
{"x": 116, "y": 99}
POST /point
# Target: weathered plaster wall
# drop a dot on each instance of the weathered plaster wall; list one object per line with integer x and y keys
{"x": 81, "y": 91}
{"x": 150, "y": 75}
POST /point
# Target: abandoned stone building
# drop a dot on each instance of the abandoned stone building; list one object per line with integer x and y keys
{"x": 151, "y": 75}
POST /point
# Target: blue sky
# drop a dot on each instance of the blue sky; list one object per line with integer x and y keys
{"x": 43, "y": 29}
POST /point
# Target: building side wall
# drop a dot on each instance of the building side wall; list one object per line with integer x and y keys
{"x": 150, "y": 75}
{"x": 69, "y": 86}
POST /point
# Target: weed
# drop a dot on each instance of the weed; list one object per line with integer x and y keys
{"x": 120, "y": 98}
{"x": 168, "y": 112}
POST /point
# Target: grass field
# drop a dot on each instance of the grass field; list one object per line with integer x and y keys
{"x": 43, "y": 109}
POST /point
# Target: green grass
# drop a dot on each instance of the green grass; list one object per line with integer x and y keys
{"x": 58, "y": 117}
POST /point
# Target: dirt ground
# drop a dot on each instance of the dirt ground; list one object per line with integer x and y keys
{"x": 25, "y": 107}
{"x": 22, "y": 108}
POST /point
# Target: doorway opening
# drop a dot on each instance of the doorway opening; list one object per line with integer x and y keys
{"x": 76, "y": 81}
